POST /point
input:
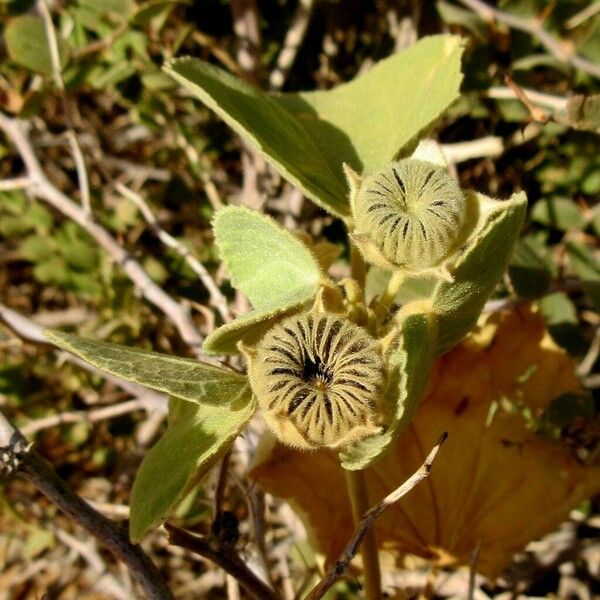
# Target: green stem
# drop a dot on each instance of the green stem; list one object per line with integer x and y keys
{"x": 389, "y": 295}
{"x": 359, "y": 499}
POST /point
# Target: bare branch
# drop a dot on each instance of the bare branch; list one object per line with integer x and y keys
{"x": 84, "y": 186}
{"x": 90, "y": 416}
{"x": 534, "y": 27}
{"x": 18, "y": 456}
{"x": 369, "y": 518}
{"x": 225, "y": 558}
{"x": 16, "y": 183}
{"x": 82, "y": 176}
{"x": 291, "y": 44}
{"x": 246, "y": 28}
{"x": 556, "y": 103}
{"x": 216, "y": 297}
{"x": 45, "y": 190}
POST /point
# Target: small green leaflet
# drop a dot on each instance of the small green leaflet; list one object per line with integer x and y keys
{"x": 365, "y": 123}
{"x": 271, "y": 266}
{"x": 184, "y": 378}
{"x": 197, "y": 436}
{"x": 250, "y": 327}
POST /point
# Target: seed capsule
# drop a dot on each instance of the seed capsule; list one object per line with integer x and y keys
{"x": 413, "y": 212}
{"x": 318, "y": 379}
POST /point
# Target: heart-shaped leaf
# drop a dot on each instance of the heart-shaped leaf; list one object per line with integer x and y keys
{"x": 184, "y": 378}
{"x": 197, "y": 436}
{"x": 365, "y": 123}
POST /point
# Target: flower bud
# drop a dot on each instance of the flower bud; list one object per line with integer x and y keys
{"x": 411, "y": 213}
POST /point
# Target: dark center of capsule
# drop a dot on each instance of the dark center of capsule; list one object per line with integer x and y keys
{"x": 317, "y": 373}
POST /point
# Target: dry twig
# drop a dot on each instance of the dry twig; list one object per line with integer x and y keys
{"x": 349, "y": 552}
{"x": 84, "y": 186}
{"x": 216, "y": 297}
{"x": 225, "y": 558}
{"x": 42, "y": 188}
{"x": 534, "y": 27}
{"x": 291, "y": 44}
{"x": 18, "y": 457}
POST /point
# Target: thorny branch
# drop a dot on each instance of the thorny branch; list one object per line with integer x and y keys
{"x": 42, "y": 188}
{"x": 349, "y": 552}
{"x": 17, "y": 456}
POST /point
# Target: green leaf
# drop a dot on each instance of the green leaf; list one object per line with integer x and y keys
{"x": 27, "y": 44}
{"x": 455, "y": 15}
{"x": 560, "y": 315}
{"x": 529, "y": 272}
{"x": 38, "y": 248}
{"x": 196, "y": 437}
{"x": 271, "y": 266}
{"x": 584, "y": 263}
{"x": 115, "y": 9}
{"x": 181, "y": 377}
{"x": 364, "y": 123}
{"x": 478, "y": 270}
{"x": 264, "y": 260}
{"x": 409, "y": 365}
{"x": 558, "y": 213}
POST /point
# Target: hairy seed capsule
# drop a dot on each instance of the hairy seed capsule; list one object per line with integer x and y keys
{"x": 413, "y": 212}
{"x": 318, "y": 379}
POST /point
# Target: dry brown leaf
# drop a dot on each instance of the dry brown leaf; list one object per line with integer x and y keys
{"x": 495, "y": 483}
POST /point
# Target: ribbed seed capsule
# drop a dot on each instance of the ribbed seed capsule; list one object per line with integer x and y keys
{"x": 413, "y": 212}
{"x": 318, "y": 378}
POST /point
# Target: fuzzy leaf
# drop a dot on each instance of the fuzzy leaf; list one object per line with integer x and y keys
{"x": 196, "y": 437}
{"x": 408, "y": 370}
{"x": 271, "y": 266}
{"x": 495, "y": 484}
{"x": 365, "y": 123}
{"x": 184, "y": 378}
{"x": 479, "y": 269}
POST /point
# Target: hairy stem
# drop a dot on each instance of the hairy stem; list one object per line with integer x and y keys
{"x": 388, "y": 296}
{"x": 357, "y": 266}
{"x": 357, "y": 490}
